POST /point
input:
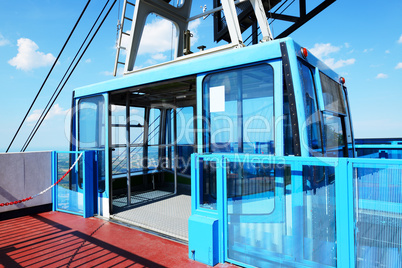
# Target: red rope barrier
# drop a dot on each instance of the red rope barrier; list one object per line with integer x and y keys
{"x": 15, "y": 202}
{"x": 31, "y": 197}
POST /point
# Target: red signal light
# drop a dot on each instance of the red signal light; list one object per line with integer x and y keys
{"x": 342, "y": 80}
{"x": 304, "y": 52}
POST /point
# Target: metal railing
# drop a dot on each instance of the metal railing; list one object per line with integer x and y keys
{"x": 387, "y": 151}
{"x": 326, "y": 212}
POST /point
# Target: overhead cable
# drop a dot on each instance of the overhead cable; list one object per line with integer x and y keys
{"x": 47, "y": 108}
{"x": 51, "y": 69}
{"x": 90, "y": 41}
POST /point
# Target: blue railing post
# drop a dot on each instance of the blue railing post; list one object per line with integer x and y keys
{"x": 54, "y": 179}
{"x": 344, "y": 203}
{"x": 89, "y": 184}
{"x": 221, "y": 188}
{"x": 351, "y": 219}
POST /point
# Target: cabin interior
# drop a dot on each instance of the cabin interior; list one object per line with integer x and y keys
{"x": 152, "y": 138}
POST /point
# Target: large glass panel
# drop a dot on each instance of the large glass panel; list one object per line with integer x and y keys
{"x": 334, "y": 139}
{"x": 239, "y": 110}
{"x": 312, "y": 115}
{"x": 185, "y": 138}
{"x": 91, "y": 132}
{"x": 259, "y": 207}
{"x": 153, "y": 157}
{"x": 137, "y": 159}
{"x": 348, "y": 126}
{"x": 378, "y": 215}
{"x": 118, "y": 118}
{"x": 208, "y": 184}
{"x": 91, "y": 122}
{"x": 319, "y": 215}
{"x": 185, "y": 125}
{"x": 154, "y": 126}
{"x": 69, "y": 191}
{"x": 137, "y": 119}
{"x": 119, "y": 161}
{"x": 333, "y": 96}
{"x": 153, "y": 138}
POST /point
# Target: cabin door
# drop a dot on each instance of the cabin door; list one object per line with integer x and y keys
{"x": 91, "y": 136}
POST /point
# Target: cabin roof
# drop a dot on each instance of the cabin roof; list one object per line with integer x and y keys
{"x": 200, "y": 63}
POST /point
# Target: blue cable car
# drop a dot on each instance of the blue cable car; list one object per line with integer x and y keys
{"x": 245, "y": 153}
{"x": 272, "y": 99}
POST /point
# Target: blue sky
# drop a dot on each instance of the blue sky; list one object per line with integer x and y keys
{"x": 361, "y": 40}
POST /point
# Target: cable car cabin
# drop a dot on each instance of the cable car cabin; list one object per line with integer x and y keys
{"x": 268, "y": 99}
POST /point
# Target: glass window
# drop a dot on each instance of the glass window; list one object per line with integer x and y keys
{"x": 208, "y": 184}
{"x": 239, "y": 110}
{"x": 310, "y": 110}
{"x": 154, "y": 126}
{"x": 137, "y": 159}
{"x": 91, "y": 124}
{"x": 119, "y": 160}
{"x": 319, "y": 215}
{"x": 334, "y": 135}
{"x": 137, "y": 118}
{"x": 118, "y": 119}
{"x": 257, "y": 228}
{"x": 332, "y": 94}
{"x": 185, "y": 138}
{"x": 91, "y": 132}
{"x": 153, "y": 138}
{"x": 185, "y": 125}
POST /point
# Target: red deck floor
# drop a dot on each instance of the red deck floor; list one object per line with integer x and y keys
{"x": 55, "y": 239}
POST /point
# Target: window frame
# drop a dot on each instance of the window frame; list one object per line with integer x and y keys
{"x": 206, "y": 123}
{"x": 317, "y": 102}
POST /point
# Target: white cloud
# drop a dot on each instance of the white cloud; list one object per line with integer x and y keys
{"x": 192, "y": 26}
{"x": 157, "y": 37}
{"x": 400, "y": 40}
{"x": 381, "y": 76}
{"x": 88, "y": 61}
{"x": 368, "y": 50}
{"x": 3, "y": 41}
{"x": 338, "y": 64}
{"x": 323, "y": 50}
{"x": 387, "y": 51}
{"x": 158, "y": 41}
{"x": 55, "y": 111}
{"x": 159, "y": 56}
{"x": 398, "y": 66}
{"x": 28, "y": 57}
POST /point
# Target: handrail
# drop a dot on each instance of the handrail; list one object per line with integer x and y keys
{"x": 379, "y": 146}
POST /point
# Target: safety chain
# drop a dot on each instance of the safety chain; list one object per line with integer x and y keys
{"x": 44, "y": 191}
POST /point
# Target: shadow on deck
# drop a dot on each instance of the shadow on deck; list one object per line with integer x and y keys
{"x": 62, "y": 240}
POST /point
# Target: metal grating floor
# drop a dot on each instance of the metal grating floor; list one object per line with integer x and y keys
{"x": 168, "y": 216}
{"x": 120, "y": 203}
